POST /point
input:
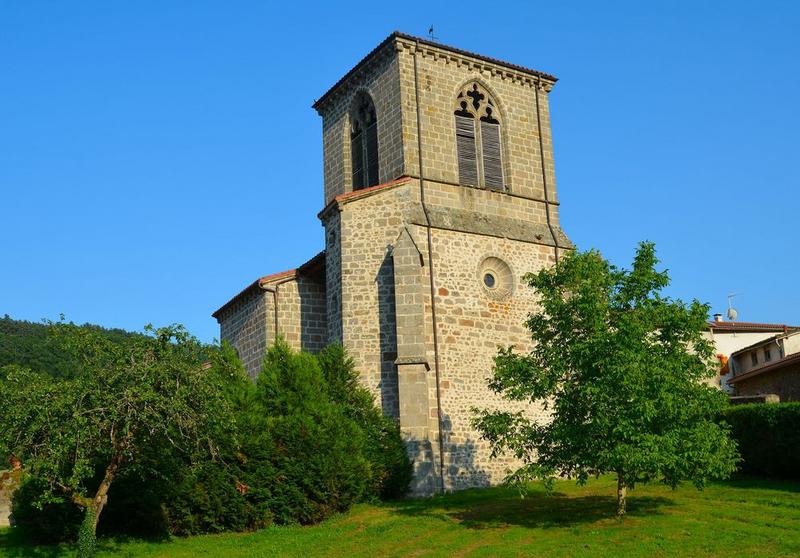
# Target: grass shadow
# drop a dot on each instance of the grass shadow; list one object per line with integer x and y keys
{"x": 556, "y": 511}
{"x": 537, "y": 510}
{"x": 759, "y": 483}
{"x": 14, "y": 543}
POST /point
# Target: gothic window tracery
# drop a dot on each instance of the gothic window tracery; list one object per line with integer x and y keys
{"x": 364, "y": 142}
{"x": 478, "y": 144}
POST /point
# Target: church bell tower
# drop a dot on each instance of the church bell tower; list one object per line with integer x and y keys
{"x": 440, "y": 193}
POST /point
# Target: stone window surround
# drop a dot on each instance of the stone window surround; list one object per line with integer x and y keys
{"x": 476, "y": 101}
{"x": 504, "y": 283}
{"x": 362, "y": 116}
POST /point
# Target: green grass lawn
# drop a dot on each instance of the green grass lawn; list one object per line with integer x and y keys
{"x": 738, "y": 518}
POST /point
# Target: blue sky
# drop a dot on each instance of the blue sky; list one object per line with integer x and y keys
{"x": 156, "y": 157}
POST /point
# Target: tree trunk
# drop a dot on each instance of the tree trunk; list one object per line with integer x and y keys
{"x": 622, "y": 492}
{"x": 87, "y": 536}
{"x": 101, "y": 496}
{"x": 87, "y": 540}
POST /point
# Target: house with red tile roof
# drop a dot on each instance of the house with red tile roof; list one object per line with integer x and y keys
{"x": 730, "y": 337}
{"x": 768, "y": 367}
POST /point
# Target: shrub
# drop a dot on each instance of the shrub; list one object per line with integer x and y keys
{"x": 206, "y": 501}
{"x": 769, "y": 438}
{"x": 309, "y": 442}
{"x": 317, "y": 449}
{"x": 46, "y": 523}
{"x": 300, "y": 456}
{"x": 384, "y": 450}
{"x": 135, "y": 504}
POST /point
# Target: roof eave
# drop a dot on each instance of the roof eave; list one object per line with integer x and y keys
{"x": 347, "y": 197}
{"x": 777, "y": 365}
{"x": 360, "y": 64}
{"x": 267, "y": 281}
{"x": 247, "y": 290}
{"x": 392, "y": 38}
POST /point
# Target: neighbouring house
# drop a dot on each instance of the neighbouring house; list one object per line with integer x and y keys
{"x": 770, "y": 366}
{"x": 439, "y": 195}
{"x": 729, "y": 337}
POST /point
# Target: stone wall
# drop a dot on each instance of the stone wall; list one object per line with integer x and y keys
{"x": 244, "y": 323}
{"x": 379, "y": 313}
{"x": 783, "y": 382}
{"x": 333, "y": 275}
{"x": 390, "y": 80}
{"x": 302, "y": 314}
{"x": 381, "y": 81}
{"x": 248, "y": 321}
{"x": 9, "y": 482}
{"x": 441, "y": 75}
{"x": 473, "y": 322}
{"x": 363, "y": 280}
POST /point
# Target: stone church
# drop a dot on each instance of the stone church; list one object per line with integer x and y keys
{"x": 440, "y": 194}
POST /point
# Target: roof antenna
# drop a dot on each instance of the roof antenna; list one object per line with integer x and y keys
{"x": 431, "y": 35}
{"x": 732, "y": 313}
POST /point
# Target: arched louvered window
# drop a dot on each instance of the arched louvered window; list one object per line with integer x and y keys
{"x": 478, "y": 144}
{"x": 364, "y": 142}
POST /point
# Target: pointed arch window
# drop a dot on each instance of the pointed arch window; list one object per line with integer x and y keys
{"x": 478, "y": 143}
{"x": 364, "y": 143}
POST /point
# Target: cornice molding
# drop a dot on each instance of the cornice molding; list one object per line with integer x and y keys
{"x": 400, "y": 42}
{"x": 499, "y": 69}
{"x": 355, "y": 78}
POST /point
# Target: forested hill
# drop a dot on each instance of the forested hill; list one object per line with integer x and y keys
{"x": 27, "y": 344}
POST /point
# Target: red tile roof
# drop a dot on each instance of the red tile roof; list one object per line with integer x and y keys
{"x": 252, "y": 287}
{"x": 749, "y": 326}
{"x": 274, "y": 276}
{"x": 377, "y": 187}
{"x": 311, "y": 265}
{"x": 356, "y": 194}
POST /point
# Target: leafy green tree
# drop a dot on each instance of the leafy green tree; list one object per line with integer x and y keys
{"x": 622, "y": 370}
{"x": 152, "y": 391}
{"x": 28, "y": 344}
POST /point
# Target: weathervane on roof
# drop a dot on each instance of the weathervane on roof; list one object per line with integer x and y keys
{"x": 732, "y": 313}
{"x": 430, "y": 34}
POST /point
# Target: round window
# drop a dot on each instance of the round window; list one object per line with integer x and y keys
{"x": 496, "y": 278}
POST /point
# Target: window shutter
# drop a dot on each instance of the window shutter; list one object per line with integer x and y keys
{"x": 357, "y": 151}
{"x": 372, "y": 155}
{"x": 465, "y": 148}
{"x": 492, "y": 160}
